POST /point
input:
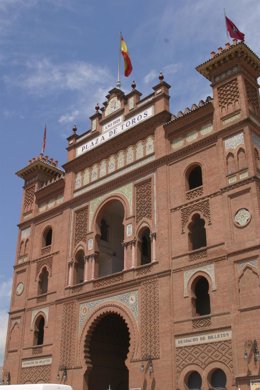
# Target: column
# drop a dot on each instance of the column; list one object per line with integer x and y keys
{"x": 86, "y": 266}
{"x": 133, "y": 242}
{"x": 71, "y": 269}
{"x": 153, "y": 239}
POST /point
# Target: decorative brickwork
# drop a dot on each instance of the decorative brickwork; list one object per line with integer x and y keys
{"x": 35, "y": 374}
{"x": 29, "y": 198}
{"x": 201, "y": 323}
{"x": 150, "y": 340}
{"x": 192, "y": 194}
{"x": 46, "y": 250}
{"x": 108, "y": 281}
{"x": 204, "y": 354}
{"x": 252, "y": 96}
{"x": 144, "y": 200}
{"x": 202, "y": 207}
{"x": 81, "y": 225}
{"x": 41, "y": 264}
{"x": 198, "y": 255}
{"x": 144, "y": 270}
{"x": 228, "y": 94}
{"x": 68, "y": 335}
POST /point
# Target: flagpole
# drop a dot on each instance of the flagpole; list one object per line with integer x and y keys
{"x": 228, "y": 37}
{"x": 118, "y": 83}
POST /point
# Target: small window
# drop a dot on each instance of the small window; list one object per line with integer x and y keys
{"x": 47, "y": 237}
{"x": 104, "y": 230}
{"x": 218, "y": 379}
{"x": 43, "y": 281}
{"x": 194, "y": 177}
{"x": 194, "y": 381}
{"x": 145, "y": 247}
{"x": 79, "y": 267}
{"x": 201, "y": 299}
{"x": 197, "y": 233}
{"x": 39, "y": 331}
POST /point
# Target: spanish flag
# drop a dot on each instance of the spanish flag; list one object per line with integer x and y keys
{"x": 127, "y": 60}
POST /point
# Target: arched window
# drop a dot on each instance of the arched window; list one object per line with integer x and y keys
{"x": 231, "y": 165}
{"x": 144, "y": 247}
{"x": 194, "y": 381}
{"x": 43, "y": 281}
{"x": 104, "y": 230}
{"x": 241, "y": 159}
{"x": 201, "y": 299}
{"x": 79, "y": 267}
{"x": 194, "y": 177}
{"x": 47, "y": 237}
{"x": 21, "y": 252}
{"x": 197, "y": 233}
{"x": 39, "y": 331}
{"x": 218, "y": 379}
{"x": 110, "y": 225}
{"x": 26, "y": 247}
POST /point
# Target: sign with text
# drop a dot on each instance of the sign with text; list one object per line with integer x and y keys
{"x": 37, "y": 362}
{"x": 203, "y": 338}
{"x": 114, "y": 128}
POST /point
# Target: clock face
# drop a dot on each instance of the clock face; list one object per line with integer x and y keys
{"x": 19, "y": 288}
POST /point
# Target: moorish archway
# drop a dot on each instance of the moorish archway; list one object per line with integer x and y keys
{"x": 108, "y": 348}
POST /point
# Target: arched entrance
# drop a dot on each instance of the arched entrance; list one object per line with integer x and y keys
{"x": 107, "y": 349}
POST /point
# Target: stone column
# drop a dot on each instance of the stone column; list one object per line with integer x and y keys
{"x": 71, "y": 269}
{"x": 153, "y": 239}
{"x": 86, "y": 267}
{"x": 125, "y": 245}
{"x": 134, "y": 258}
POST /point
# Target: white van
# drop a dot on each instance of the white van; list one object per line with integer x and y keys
{"x": 37, "y": 386}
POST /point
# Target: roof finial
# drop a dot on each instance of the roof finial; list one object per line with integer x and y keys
{"x": 161, "y": 77}
{"x": 74, "y": 129}
{"x": 97, "y": 108}
{"x": 133, "y": 85}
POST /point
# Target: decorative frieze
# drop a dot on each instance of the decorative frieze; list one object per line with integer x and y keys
{"x": 115, "y": 162}
{"x": 234, "y": 141}
{"x": 129, "y": 300}
{"x": 191, "y": 137}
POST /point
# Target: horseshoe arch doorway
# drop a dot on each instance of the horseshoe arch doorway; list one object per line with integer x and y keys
{"x": 107, "y": 348}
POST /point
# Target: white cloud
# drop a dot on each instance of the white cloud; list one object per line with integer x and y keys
{"x": 3, "y": 330}
{"x": 43, "y": 77}
{"x": 5, "y": 287}
{"x": 150, "y": 76}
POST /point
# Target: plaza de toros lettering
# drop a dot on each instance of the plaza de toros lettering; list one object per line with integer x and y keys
{"x": 113, "y": 128}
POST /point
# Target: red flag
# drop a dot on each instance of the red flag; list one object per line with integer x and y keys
{"x": 234, "y": 31}
{"x": 44, "y": 140}
{"x": 127, "y": 60}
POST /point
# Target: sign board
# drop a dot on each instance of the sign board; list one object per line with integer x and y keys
{"x": 37, "y": 362}
{"x": 203, "y": 338}
{"x": 114, "y": 128}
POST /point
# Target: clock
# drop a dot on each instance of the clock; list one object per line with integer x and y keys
{"x": 19, "y": 288}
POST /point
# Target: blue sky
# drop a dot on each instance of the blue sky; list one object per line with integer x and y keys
{"x": 58, "y": 58}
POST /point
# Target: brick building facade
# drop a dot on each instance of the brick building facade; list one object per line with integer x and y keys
{"x": 138, "y": 263}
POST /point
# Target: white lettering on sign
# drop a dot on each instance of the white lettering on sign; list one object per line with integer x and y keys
{"x": 203, "y": 338}
{"x": 37, "y": 362}
{"x": 112, "y": 130}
